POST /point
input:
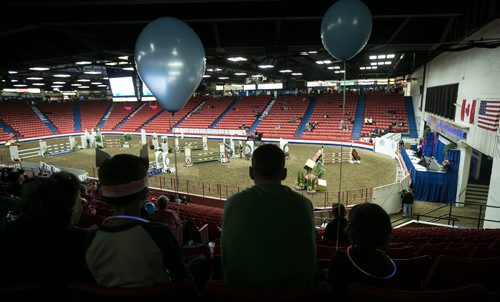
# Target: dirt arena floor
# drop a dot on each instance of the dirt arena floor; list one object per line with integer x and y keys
{"x": 222, "y": 180}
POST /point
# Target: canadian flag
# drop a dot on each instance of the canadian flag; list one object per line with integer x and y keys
{"x": 468, "y": 111}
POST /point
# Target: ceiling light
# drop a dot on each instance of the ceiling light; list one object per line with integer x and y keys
{"x": 57, "y": 86}
{"x": 342, "y": 71}
{"x": 39, "y": 68}
{"x": 12, "y": 71}
{"x": 391, "y": 56}
{"x": 105, "y": 78}
{"x": 123, "y": 58}
{"x": 336, "y": 71}
{"x": 237, "y": 59}
{"x": 76, "y": 84}
{"x": 297, "y": 73}
{"x": 374, "y": 67}
{"x": 387, "y": 62}
{"x": 373, "y": 57}
{"x": 83, "y": 87}
{"x": 218, "y": 69}
{"x": 59, "y": 83}
{"x": 285, "y": 70}
{"x": 122, "y": 63}
{"x": 102, "y": 85}
{"x": 327, "y": 62}
{"x": 111, "y": 63}
{"x": 61, "y": 75}
{"x": 128, "y": 68}
{"x": 83, "y": 80}
{"x": 34, "y": 78}
{"x": 312, "y": 51}
{"x": 373, "y": 63}
{"x": 380, "y": 63}
{"x": 303, "y": 53}
{"x": 381, "y": 57}
{"x": 206, "y": 76}
{"x": 256, "y": 75}
{"x": 38, "y": 84}
{"x": 331, "y": 67}
{"x": 210, "y": 69}
{"x": 336, "y": 67}
{"x": 362, "y": 68}
{"x": 20, "y": 85}
{"x": 240, "y": 73}
{"x": 96, "y": 83}
{"x": 223, "y": 78}
{"x": 13, "y": 80}
{"x": 369, "y": 67}
{"x": 92, "y": 72}
{"x": 266, "y": 66}
{"x": 83, "y": 63}
{"x": 319, "y": 62}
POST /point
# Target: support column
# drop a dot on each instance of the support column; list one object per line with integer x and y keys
{"x": 494, "y": 191}
{"x": 463, "y": 173}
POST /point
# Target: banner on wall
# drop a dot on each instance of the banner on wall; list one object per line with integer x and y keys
{"x": 468, "y": 111}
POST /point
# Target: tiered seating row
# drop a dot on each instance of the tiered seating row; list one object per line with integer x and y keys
{"x": 328, "y": 115}
{"x": 92, "y": 112}
{"x": 21, "y": 118}
{"x": 60, "y": 115}
{"x": 206, "y": 114}
{"x": 163, "y": 122}
{"x": 282, "y": 121}
{"x": 147, "y": 112}
{"x": 385, "y": 109}
{"x": 119, "y": 112}
{"x": 245, "y": 111}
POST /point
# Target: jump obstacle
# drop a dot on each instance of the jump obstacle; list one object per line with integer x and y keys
{"x": 351, "y": 157}
{"x": 43, "y": 149}
{"x": 204, "y": 157}
{"x": 203, "y": 145}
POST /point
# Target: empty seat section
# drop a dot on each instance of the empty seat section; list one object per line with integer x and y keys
{"x": 4, "y": 136}
{"x": 165, "y": 120}
{"x": 60, "y": 115}
{"x": 147, "y": 112}
{"x": 388, "y": 111}
{"x": 328, "y": 115}
{"x": 92, "y": 112}
{"x": 285, "y": 116}
{"x": 21, "y": 118}
{"x": 207, "y": 113}
{"x": 119, "y": 112}
{"x": 245, "y": 111}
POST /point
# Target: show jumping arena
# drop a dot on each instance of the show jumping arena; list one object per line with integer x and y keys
{"x": 220, "y": 180}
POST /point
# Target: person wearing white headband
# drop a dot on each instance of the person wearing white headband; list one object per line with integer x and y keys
{"x": 128, "y": 251}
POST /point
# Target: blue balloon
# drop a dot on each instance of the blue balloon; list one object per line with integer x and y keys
{"x": 346, "y": 28}
{"x": 170, "y": 59}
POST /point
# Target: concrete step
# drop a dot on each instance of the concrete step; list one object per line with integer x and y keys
{"x": 477, "y": 194}
{"x": 478, "y": 186}
{"x": 475, "y": 200}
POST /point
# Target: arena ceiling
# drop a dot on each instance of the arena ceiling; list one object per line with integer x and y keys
{"x": 59, "y": 33}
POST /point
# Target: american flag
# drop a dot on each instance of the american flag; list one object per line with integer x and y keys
{"x": 489, "y": 115}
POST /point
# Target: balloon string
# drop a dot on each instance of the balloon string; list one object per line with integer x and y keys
{"x": 177, "y": 200}
{"x": 341, "y": 161}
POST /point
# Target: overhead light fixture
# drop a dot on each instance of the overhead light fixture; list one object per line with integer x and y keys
{"x": 39, "y": 68}
{"x": 374, "y": 67}
{"x": 12, "y": 72}
{"x": 83, "y": 87}
{"x": 83, "y": 63}
{"x": 256, "y": 75}
{"x": 240, "y": 73}
{"x": 342, "y": 71}
{"x": 297, "y": 73}
{"x": 285, "y": 70}
{"x": 336, "y": 67}
{"x": 373, "y": 63}
{"x": 61, "y": 75}
{"x": 38, "y": 84}
{"x": 92, "y": 72}
{"x": 57, "y": 86}
{"x": 362, "y": 68}
{"x": 236, "y": 59}
{"x": 373, "y": 57}
{"x": 387, "y": 62}
{"x": 122, "y": 63}
{"x": 331, "y": 67}
{"x": 123, "y": 58}
{"x": 76, "y": 84}
{"x": 34, "y": 78}
{"x": 265, "y": 66}
{"x": 336, "y": 71}
{"x": 111, "y": 63}
{"x": 369, "y": 67}
{"x": 380, "y": 63}
{"x": 128, "y": 68}
{"x": 20, "y": 85}
{"x": 327, "y": 61}
{"x": 96, "y": 83}
{"x": 218, "y": 69}
{"x": 303, "y": 53}
{"x": 105, "y": 78}
{"x": 102, "y": 85}
{"x": 223, "y": 78}
{"x": 381, "y": 57}
{"x": 13, "y": 80}
{"x": 391, "y": 56}
{"x": 210, "y": 69}
{"x": 312, "y": 51}
{"x": 83, "y": 80}
{"x": 319, "y": 62}
{"x": 58, "y": 83}
{"x": 206, "y": 76}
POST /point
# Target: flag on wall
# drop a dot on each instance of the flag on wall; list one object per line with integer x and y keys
{"x": 468, "y": 111}
{"x": 489, "y": 115}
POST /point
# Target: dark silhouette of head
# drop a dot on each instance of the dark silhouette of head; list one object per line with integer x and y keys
{"x": 369, "y": 227}
{"x": 162, "y": 202}
{"x": 338, "y": 211}
{"x": 52, "y": 200}
{"x": 123, "y": 179}
{"x": 268, "y": 164}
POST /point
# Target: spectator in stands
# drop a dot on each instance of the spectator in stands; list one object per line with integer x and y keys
{"x": 128, "y": 251}
{"x": 364, "y": 261}
{"x": 407, "y": 202}
{"x": 277, "y": 250}
{"x": 162, "y": 214}
{"x": 41, "y": 245}
{"x": 335, "y": 229}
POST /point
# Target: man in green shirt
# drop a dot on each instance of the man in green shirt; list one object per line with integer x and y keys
{"x": 268, "y": 233}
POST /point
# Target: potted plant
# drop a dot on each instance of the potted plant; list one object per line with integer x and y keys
{"x": 127, "y": 137}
